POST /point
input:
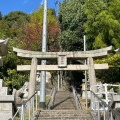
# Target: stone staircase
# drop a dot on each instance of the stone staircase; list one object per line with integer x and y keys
{"x": 63, "y": 115}
{"x": 64, "y": 101}
{"x": 64, "y": 109}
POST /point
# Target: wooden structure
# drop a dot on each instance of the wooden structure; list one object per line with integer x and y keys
{"x": 62, "y": 65}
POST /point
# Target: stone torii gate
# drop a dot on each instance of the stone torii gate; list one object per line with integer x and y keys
{"x": 62, "y": 58}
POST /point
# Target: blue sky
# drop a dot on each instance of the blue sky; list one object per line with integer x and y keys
{"x": 27, "y": 6}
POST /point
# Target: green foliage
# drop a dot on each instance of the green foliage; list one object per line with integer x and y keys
{"x": 103, "y": 24}
{"x": 113, "y": 60}
{"x": 0, "y": 16}
{"x": 14, "y": 79}
{"x": 100, "y": 21}
{"x": 4, "y": 29}
{"x": 32, "y": 36}
{"x": 71, "y": 19}
{"x": 16, "y": 17}
{"x": 15, "y": 21}
{"x": 111, "y": 75}
{"x": 11, "y": 26}
{"x": 8, "y": 72}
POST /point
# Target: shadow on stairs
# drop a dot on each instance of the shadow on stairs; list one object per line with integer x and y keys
{"x": 64, "y": 109}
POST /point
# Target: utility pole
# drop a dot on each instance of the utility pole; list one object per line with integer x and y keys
{"x": 43, "y": 62}
{"x": 85, "y": 73}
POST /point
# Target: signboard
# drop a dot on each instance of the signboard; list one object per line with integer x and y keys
{"x": 62, "y": 61}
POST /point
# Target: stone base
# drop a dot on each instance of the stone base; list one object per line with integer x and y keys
{"x": 6, "y": 115}
{"x": 5, "y": 107}
{"x": 116, "y": 101}
{"x": 117, "y": 105}
{"x": 7, "y": 98}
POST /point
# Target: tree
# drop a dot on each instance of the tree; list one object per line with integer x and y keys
{"x": 32, "y": 36}
{"x": 4, "y": 29}
{"x": 111, "y": 75}
{"x": 72, "y": 18}
{"x": 0, "y": 16}
{"x": 103, "y": 25}
{"x": 16, "y": 21}
{"x": 11, "y": 26}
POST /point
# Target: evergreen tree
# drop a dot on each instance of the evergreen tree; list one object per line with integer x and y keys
{"x": 103, "y": 23}
{"x": 72, "y": 18}
{"x": 0, "y": 16}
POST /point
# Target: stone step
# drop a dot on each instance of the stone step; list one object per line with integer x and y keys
{"x": 63, "y": 108}
{"x": 67, "y": 97}
{"x": 63, "y": 111}
{"x": 63, "y": 115}
{"x": 64, "y": 100}
{"x": 61, "y": 94}
{"x": 64, "y": 103}
{"x": 64, "y": 118}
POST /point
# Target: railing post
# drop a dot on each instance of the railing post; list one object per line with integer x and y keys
{"x": 104, "y": 111}
{"x": 94, "y": 102}
{"x": 52, "y": 95}
{"x": 77, "y": 102}
{"x": 23, "y": 112}
{"x": 33, "y": 105}
{"x": 98, "y": 110}
{"x": 27, "y": 104}
{"x": 91, "y": 100}
{"x": 111, "y": 115}
{"x": 106, "y": 108}
{"x": 29, "y": 108}
{"x": 36, "y": 100}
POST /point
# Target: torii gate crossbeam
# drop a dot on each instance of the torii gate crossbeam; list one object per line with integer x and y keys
{"x": 62, "y": 62}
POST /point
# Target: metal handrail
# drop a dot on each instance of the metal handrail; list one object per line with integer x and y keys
{"x": 52, "y": 96}
{"x": 78, "y": 104}
{"x": 99, "y": 106}
{"x": 16, "y": 113}
{"x": 24, "y": 104}
{"x": 105, "y": 92}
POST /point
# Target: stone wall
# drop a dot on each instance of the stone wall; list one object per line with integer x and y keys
{"x": 6, "y": 103}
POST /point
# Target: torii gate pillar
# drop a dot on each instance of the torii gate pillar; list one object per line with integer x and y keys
{"x": 33, "y": 70}
{"x": 91, "y": 73}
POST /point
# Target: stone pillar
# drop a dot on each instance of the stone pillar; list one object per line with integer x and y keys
{"x": 32, "y": 81}
{"x": 91, "y": 72}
